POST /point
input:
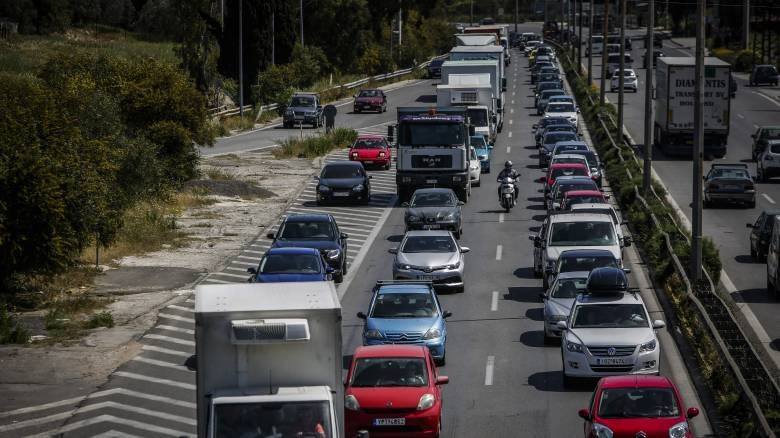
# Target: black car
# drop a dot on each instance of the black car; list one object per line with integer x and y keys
{"x": 434, "y": 68}
{"x": 581, "y": 260}
{"x": 729, "y": 183}
{"x": 564, "y": 126}
{"x": 761, "y": 234}
{"x": 548, "y": 144}
{"x": 764, "y": 74}
{"x": 343, "y": 181}
{"x": 545, "y": 122}
{"x": 434, "y": 209}
{"x": 657, "y": 53}
{"x": 318, "y": 231}
{"x": 762, "y": 137}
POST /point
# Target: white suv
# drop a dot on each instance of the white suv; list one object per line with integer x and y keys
{"x": 609, "y": 331}
{"x": 630, "y": 81}
{"x": 769, "y": 161}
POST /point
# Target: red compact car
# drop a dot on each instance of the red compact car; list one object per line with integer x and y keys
{"x": 393, "y": 391}
{"x": 636, "y": 405}
{"x": 372, "y": 150}
{"x": 563, "y": 169}
{"x": 370, "y": 100}
{"x": 582, "y": 197}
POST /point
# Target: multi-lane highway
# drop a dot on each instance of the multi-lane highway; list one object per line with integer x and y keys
{"x": 504, "y": 381}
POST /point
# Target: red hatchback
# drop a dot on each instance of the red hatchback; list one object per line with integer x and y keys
{"x": 393, "y": 391}
{"x": 372, "y": 150}
{"x": 582, "y": 197}
{"x": 635, "y": 405}
{"x": 563, "y": 169}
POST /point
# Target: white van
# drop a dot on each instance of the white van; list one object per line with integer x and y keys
{"x": 613, "y": 62}
{"x": 772, "y": 261}
{"x": 597, "y": 41}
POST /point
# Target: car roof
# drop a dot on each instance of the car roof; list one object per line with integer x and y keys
{"x": 635, "y": 381}
{"x": 729, "y": 166}
{"x": 571, "y": 143}
{"x": 405, "y": 288}
{"x": 369, "y": 89}
{"x": 391, "y": 350}
{"x": 414, "y": 233}
{"x": 344, "y": 163}
{"x": 309, "y": 217}
{"x": 579, "y": 156}
{"x": 586, "y": 253}
{"x": 580, "y": 217}
{"x": 573, "y": 193}
{"x": 597, "y": 206}
{"x": 293, "y": 250}
{"x": 573, "y": 179}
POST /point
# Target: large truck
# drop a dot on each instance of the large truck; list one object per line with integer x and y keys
{"x": 478, "y": 67}
{"x": 482, "y": 53}
{"x": 475, "y": 92}
{"x": 476, "y": 39}
{"x": 269, "y": 360}
{"x": 674, "y": 108}
{"x": 432, "y": 150}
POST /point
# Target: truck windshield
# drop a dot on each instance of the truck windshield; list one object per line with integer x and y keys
{"x": 582, "y": 234}
{"x": 428, "y": 134}
{"x": 390, "y": 371}
{"x": 290, "y": 264}
{"x": 610, "y": 315}
{"x": 288, "y": 419}
{"x": 478, "y": 116}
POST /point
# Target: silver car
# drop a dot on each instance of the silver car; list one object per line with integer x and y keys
{"x": 558, "y": 300}
{"x": 430, "y": 255}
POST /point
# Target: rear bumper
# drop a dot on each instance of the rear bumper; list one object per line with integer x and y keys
{"x": 730, "y": 197}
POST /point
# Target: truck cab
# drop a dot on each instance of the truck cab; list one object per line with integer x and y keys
{"x": 475, "y": 93}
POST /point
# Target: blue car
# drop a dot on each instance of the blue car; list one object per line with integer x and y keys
{"x": 291, "y": 264}
{"x": 482, "y": 148}
{"x": 406, "y": 312}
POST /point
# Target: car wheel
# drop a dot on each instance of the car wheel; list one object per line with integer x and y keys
{"x": 356, "y": 111}
{"x": 458, "y": 233}
{"x": 338, "y": 278}
{"x": 477, "y": 183}
{"x": 442, "y": 361}
{"x": 548, "y": 340}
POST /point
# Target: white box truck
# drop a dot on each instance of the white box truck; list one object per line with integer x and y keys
{"x": 269, "y": 360}
{"x": 464, "y": 53}
{"x": 475, "y": 92}
{"x": 477, "y": 67}
{"x": 674, "y": 107}
{"x": 475, "y": 39}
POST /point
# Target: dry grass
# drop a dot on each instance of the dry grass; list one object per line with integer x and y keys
{"x": 219, "y": 175}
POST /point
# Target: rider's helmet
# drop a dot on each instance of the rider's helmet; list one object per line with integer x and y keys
{"x": 507, "y": 165}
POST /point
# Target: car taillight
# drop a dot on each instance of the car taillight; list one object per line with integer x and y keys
{"x": 354, "y": 154}
{"x": 750, "y": 187}
{"x": 382, "y": 154}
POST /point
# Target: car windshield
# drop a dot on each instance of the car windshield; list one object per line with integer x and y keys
{"x": 770, "y": 133}
{"x": 478, "y": 141}
{"x": 416, "y": 244}
{"x": 766, "y": 70}
{"x": 314, "y": 230}
{"x": 422, "y": 134}
{"x": 610, "y": 315}
{"x": 557, "y": 137}
{"x": 370, "y": 93}
{"x": 775, "y": 148}
{"x": 566, "y": 148}
{"x": 432, "y": 199}
{"x": 478, "y": 116}
{"x": 389, "y": 371}
{"x": 590, "y": 233}
{"x": 302, "y": 101}
{"x": 404, "y": 305}
{"x": 436, "y": 63}
{"x": 369, "y": 143}
{"x": 729, "y": 173}
{"x": 548, "y": 86}
{"x": 569, "y": 171}
{"x": 277, "y": 418}
{"x": 638, "y": 402}
{"x": 290, "y": 264}
{"x": 341, "y": 171}
{"x": 586, "y": 263}
{"x": 591, "y": 199}
{"x": 560, "y": 108}
{"x": 568, "y": 287}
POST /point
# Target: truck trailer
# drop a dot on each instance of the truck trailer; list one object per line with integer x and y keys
{"x": 674, "y": 107}
{"x": 475, "y": 92}
{"x": 269, "y": 360}
{"x": 465, "y": 53}
{"x": 478, "y": 67}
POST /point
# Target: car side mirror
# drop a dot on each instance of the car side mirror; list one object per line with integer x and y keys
{"x": 537, "y": 242}
{"x": 361, "y": 315}
{"x": 344, "y": 236}
{"x": 691, "y": 412}
{"x": 370, "y": 177}
{"x": 393, "y": 250}
{"x": 446, "y": 314}
{"x": 464, "y": 249}
{"x": 270, "y": 235}
{"x": 545, "y": 170}
{"x": 316, "y": 178}
{"x": 548, "y": 270}
{"x": 584, "y": 413}
{"x": 750, "y": 226}
{"x": 461, "y": 203}
{"x": 404, "y": 204}
{"x": 562, "y": 325}
{"x": 534, "y": 127}
{"x": 753, "y": 135}
{"x": 658, "y": 324}
{"x": 442, "y": 380}
{"x": 252, "y": 271}
{"x": 541, "y": 180}
{"x": 627, "y": 270}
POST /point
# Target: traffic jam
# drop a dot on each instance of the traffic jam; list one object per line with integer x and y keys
{"x": 288, "y": 315}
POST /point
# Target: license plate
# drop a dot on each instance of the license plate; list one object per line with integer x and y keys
{"x": 431, "y": 181}
{"x": 389, "y": 421}
{"x": 366, "y": 106}
{"x": 731, "y": 187}
{"x": 431, "y": 227}
{"x": 369, "y": 162}
{"x": 426, "y": 277}
{"x": 341, "y": 194}
{"x": 612, "y": 361}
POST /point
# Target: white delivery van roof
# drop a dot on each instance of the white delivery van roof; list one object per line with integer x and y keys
{"x": 475, "y": 79}
{"x": 475, "y": 39}
{"x": 248, "y": 297}
{"x": 477, "y": 49}
{"x": 491, "y": 62}
{"x": 691, "y": 61}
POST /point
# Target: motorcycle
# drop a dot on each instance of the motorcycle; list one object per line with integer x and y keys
{"x": 507, "y": 192}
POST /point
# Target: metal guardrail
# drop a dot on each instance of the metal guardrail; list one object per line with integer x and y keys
{"x": 223, "y": 111}
{"x": 743, "y": 361}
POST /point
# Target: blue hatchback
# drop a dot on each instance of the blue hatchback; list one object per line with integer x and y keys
{"x": 482, "y": 148}
{"x": 291, "y": 264}
{"x": 406, "y": 312}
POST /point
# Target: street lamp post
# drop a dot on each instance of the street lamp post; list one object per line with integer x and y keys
{"x": 649, "y": 119}
{"x": 590, "y": 44}
{"x": 698, "y": 146}
{"x": 241, "y": 59}
{"x": 622, "y": 67}
{"x": 605, "y": 29}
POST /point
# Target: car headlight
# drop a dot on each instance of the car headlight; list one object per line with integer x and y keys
{"x": 373, "y": 334}
{"x": 351, "y": 403}
{"x": 432, "y": 334}
{"x": 601, "y": 431}
{"x": 426, "y": 402}
{"x": 449, "y": 216}
{"x": 648, "y": 346}
{"x": 455, "y": 265}
{"x": 333, "y": 254}
{"x": 556, "y": 318}
{"x": 359, "y": 188}
{"x": 456, "y": 178}
{"x": 402, "y": 266}
{"x": 679, "y": 430}
{"x": 412, "y": 218}
{"x": 574, "y": 348}
{"x": 324, "y": 189}
{"x": 289, "y": 111}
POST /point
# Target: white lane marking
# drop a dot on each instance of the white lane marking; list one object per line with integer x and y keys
{"x": 159, "y": 363}
{"x": 42, "y": 420}
{"x": 182, "y": 308}
{"x": 115, "y": 434}
{"x": 491, "y": 362}
{"x": 771, "y": 201}
{"x": 166, "y": 351}
{"x": 740, "y": 116}
{"x": 513, "y": 95}
{"x": 758, "y": 93}
{"x": 149, "y": 379}
{"x": 215, "y": 281}
{"x": 42, "y": 407}
{"x": 111, "y": 419}
{"x": 169, "y": 339}
{"x": 512, "y": 102}
{"x": 499, "y": 250}
{"x": 510, "y": 121}
{"x": 179, "y": 318}
{"x": 226, "y": 274}
{"x": 500, "y": 218}
{"x": 190, "y": 300}
{"x": 508, "y": 149}
{"x": 171, "y": 328}
{"x": 755, "y": 126}
{"x": 510, "y": 134}
{"x": 494, "y": 302}
{"x": 511, "y": 110}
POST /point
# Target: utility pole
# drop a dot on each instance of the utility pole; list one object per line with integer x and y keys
{"x": 579, "y": 42}
{"x": 698, "y": 146}
{"x": 301, "y": 23}
{"x": 649, "y": 116}
{"x": 622, "y": 67}
{"x": 560, "y": 29}
{"x": 273, "y": 38}
{"x": 400, "y": 26}
{"x": 222, "y": 14}
{"x": 590, "y": 45}
{"x": 605, "y": 27}
{"x": 241, "y": 58}
{"x": 515, "y": 15}
{"x": 471, "y": 13}
{"x": 746, "y": 24}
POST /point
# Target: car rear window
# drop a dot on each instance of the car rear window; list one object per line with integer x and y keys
{"x": 587, "y": 263}
{"x": 569, "y": 288}
{"x": 569, "y": 171}
{"x": 555, "y": 137}
{"x": 595, "y": 199}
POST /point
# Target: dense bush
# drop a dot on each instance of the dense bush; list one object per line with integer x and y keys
{"x": 315, "y": 146}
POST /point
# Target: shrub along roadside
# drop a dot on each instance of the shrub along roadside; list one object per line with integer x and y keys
{"x": 315, "y": 146}
{"x": 735, "y": 417}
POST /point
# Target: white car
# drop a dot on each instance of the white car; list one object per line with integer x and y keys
{"x": 769, "y": 161}
{"x": 558, "y": 300}
{"x": 607, "y": 209}
{"x": 609, "y": 331}
{"x": 475, "y": 169}
{"x": 563, "y": 109}
{"x": 562, "y": 98}
{"x": 630, "y": 81}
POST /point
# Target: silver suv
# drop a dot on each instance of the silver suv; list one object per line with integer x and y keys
{"x": 304, "y": 108}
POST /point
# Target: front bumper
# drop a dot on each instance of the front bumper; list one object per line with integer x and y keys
{"x": 584, "y": 364}
{"x": 372, "y": 161}
{"x": 417, "y": 423}
{"x": 485, "y": 165}
{"x": 450, "y": 225}
{"x": 299, "y": 119}
{"x": 347, "y": 195}
{"x": 441, "y": 278}
{"x": 366, "y": 106}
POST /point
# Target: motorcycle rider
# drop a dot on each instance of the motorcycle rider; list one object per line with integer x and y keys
{"x": 508, "y": 172}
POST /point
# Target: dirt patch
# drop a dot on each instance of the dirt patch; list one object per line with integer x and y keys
{"x": 227, "y": 187}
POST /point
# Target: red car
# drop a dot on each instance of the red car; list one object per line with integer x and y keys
{"x": 372, "y": 150}
{"x": 370, "y": 100}
{"x": 563, "y": 169}
{"x": 637, "y": 405}
{"x": 582, "y": 197}
{"x": 393, "y": 391}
